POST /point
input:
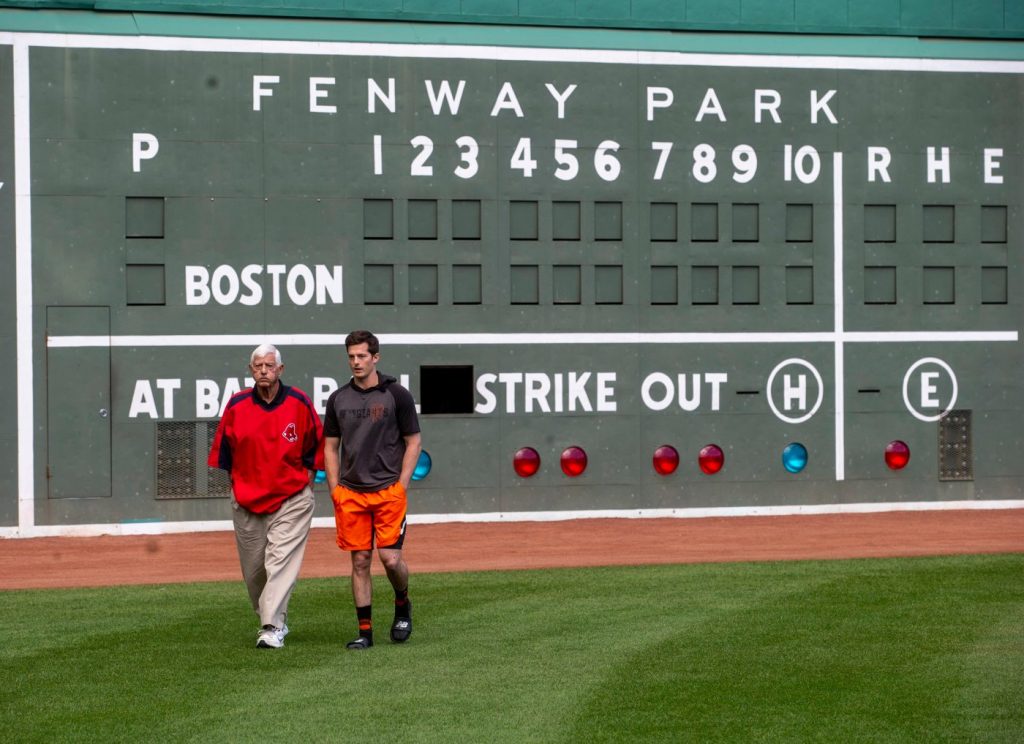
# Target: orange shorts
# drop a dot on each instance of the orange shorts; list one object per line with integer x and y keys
{"x": 363, "y": 519}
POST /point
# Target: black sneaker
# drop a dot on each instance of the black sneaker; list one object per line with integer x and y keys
{"x": 359, "y": 644}
{"x": 401, "y": 628}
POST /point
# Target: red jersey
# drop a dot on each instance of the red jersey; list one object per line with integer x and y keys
{"x": 268, "y": 448}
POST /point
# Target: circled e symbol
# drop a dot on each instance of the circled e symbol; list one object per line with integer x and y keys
{"x": 798, "y": 392}
{"x": 906, "y": 388}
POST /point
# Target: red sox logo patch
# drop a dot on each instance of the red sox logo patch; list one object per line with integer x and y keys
{"x": 290, "y": 433}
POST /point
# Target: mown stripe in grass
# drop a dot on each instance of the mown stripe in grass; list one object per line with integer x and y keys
{"x": 911, "y": 650}
{"x": 876, "y": 651}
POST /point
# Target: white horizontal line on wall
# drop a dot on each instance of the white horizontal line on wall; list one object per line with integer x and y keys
{"x": 510, "y": 53}
{"x": 500, "y": 339}
{"x": 167, "y": 528}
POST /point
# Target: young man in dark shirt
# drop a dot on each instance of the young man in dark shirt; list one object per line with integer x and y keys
{"x": 371, "y": 445}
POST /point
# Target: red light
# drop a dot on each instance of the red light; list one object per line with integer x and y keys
{"x": 666, "y": 460}
{"x": 897, "y": 455}
{"x": 711, "y": 459}
{"x": 574, "y": 461}
{"x": 526, "y": 462}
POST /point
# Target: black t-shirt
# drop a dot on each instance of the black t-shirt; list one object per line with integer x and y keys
{"x": 372, "y": 425}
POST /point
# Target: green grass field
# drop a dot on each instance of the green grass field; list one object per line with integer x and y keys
{"x": 839, "y": 651}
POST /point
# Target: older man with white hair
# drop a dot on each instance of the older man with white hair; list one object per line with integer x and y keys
{"x": 269, "y": 440}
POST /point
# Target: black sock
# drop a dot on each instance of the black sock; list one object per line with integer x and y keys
{"x": 364, "y": 615}
{"x": 402, "y": 603}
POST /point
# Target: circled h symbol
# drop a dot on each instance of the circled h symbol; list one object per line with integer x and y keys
{"x": 817, "y": 404}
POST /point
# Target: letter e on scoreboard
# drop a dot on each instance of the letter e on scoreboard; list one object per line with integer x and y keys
{"x": 933, "y": 385}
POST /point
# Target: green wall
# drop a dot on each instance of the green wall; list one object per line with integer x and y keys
{"x": 500, "y": 251}
{"x": 944, "y": 18}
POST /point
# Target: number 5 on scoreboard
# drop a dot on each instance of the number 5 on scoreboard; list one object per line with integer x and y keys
{"x": 567, "y": 159}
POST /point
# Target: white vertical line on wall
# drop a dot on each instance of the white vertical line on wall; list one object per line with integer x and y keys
{"x": 23, "y": 274}
{"x": 837, "y": 300}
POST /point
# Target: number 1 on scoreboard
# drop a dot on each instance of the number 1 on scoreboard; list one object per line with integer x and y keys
{"x": 378, "y": 164}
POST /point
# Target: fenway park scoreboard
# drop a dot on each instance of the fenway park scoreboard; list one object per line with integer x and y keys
{"x": 616, "y": 282}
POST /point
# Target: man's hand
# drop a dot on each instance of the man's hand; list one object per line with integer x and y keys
{"x": 413, "y": 445}
{"x": 332, "y": 461}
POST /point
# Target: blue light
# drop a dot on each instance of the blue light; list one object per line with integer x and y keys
{"x": 794, "y": 457}
{"x": 422, "y": 466}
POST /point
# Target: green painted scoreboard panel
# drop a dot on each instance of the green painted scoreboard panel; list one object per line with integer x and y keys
{"x": 615, "y": 251}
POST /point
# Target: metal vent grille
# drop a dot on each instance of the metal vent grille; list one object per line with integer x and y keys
{"x": 956, "y": 462}
{"x": 218, "y": 482}
{"x": 175, "y": 459}
{"x": 181, "y": 470}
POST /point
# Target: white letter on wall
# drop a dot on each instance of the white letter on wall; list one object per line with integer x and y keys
{"x": 258, "y": 91}
{"x": 992, "y": 164}
{"x": 316, "y": 94}
{"x": 144, "y": 147}
{"x": 938, "y": 165}
{"x": 658, "y": 98}
{"x": 878, "y": 163}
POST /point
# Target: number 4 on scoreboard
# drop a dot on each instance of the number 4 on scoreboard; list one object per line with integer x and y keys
{"x": 522, "y": 158}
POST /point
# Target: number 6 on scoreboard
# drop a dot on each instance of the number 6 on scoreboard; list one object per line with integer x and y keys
{"x": 605, "y": 163}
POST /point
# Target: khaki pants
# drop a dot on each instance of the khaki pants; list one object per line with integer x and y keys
{"x": 270, "y": 548}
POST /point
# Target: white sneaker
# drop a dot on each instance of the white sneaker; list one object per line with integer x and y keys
{"x": 271, "y": 637}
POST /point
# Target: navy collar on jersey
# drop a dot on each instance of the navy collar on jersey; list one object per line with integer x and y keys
{"x": 282, "y": 393}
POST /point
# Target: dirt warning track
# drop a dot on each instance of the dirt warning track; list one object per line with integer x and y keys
{"x": 52, "y": 562}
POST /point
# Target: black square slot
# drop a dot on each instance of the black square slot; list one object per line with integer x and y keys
{"x": 446, "y": 389}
